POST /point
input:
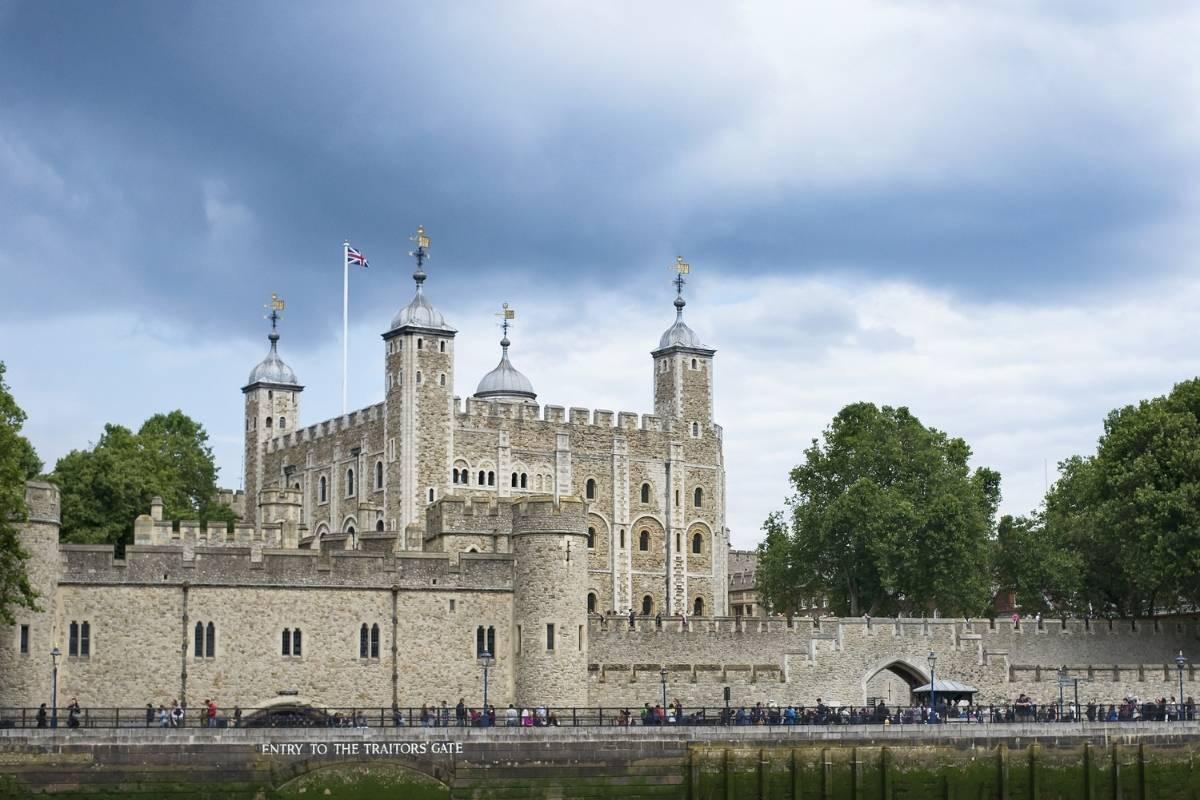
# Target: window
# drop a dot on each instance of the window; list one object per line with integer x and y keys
{"x": 418, "y": 376}
{"x": 442, "y": 379}
{"x": 283, "y": 422}
{"x": 268, "y": 422}
{"x": 349, "y": 483}
{"x": 454, "y": 475}
{"x": 698, "y": 607}
{"x": 420, "y": 345}
{"x": 591, "y": 602}
{"x": 645, "y": 493}
{"x": 622, "y": 538}
{"x": 270, "y": 394}
{"x": 647, "y": 605}
{"x": 198, "y": 649}
{"x": 210, "y": 641}
{"x": 677, "y": 497}
{"x": 644, "y": 540}
{"x": 296, "y": 642}
{"x": 378, "y": 475}
{"x": 524, "y": 480}
{"x": 678, "y": 546}
{"x": 549, "y": 635}
{"x": 84, "y": 639}
{"x": 431, "y": 494}
{"x": 442, "y": 348}
{"x": 590, "y": 489}
{"x": 694, "y": 364}
{"x": 363, "y": 641}
{"x": 482, "y": 477}
{"x": 379, "y": 525}
{"x": 287, "y": 642}
{"x": 73, "y": 640}
{"x": 698, "y": 497}
{"x": 491, "y": 479}
{"x": 375, "y": 640}
{"x": 485, "y": 641}
{"x": 24, "y": 638}
{"x": 323, "y": 492}
{"x": 591, "y": 538}
{"x": 697, "y": 543}
{"x": 291, "y": 642}
{"x": 696, "y": 429}
{"x": 513, "y": 482}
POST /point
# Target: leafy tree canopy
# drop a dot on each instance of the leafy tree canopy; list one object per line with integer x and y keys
{"x": 1033, "y": 563}
{"x": 105, "y": 488}
{"x": 18, "y": 463}
{"x": 1131, "y": 512}
{"x": 887, "y": 516}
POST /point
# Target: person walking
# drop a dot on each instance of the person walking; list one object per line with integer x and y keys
{"x": 41, "y": 716}
{"x": 460, "y": 712}
{"x": 212, "y": 713}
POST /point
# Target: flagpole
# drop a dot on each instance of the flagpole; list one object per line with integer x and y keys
{"x": 345, "y": 315}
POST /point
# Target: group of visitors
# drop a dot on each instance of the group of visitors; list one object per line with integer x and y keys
{"x": 176, "y": 715}
{"x": 74, "y": 712}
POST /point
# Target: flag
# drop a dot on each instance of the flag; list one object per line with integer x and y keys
{"x": 355, "y": 257}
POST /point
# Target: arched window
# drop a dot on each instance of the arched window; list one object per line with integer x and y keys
{"x": 349, "y": 483}
{"x": 73, "y": 640}
{"x": 198, "y": 649}
{"x": 85, "y": 638}
{"x": 442, "y": 346}
{"x": 375, "y": 641}
{"x": 420, "y": 344}
{"x": 491, "y": 478}
{"x": 482, "y": 478}
{"x": 591, "y": 602}
{"x": 698, "y": 607}
{"x": 287, "y": 642}
{"x": 491, "y": 640}
{"x": 696, "y": 429}
{"x": 442, "y": 379}
{"x": 363, "y": 641}
{"x": 454, "y": 475}
{"x": 697, "y": 543}
{"x": 296, "y": 642}
{"x": 678, "y": 546}
{"x": 268, "y": 422}
{"x": 647, "y": 605}
{"x": 591, "y": 538}
{"x": 322, "y": 493}
{"x": 270, "y": 394}
{"x": 210, "y": 641}
{"x": 282, "y": 422}
{"x": 378, "y": 475}
{"x": 698, "y": 497}
{"x": 350, "y": 529}
{"x": 644, "y": 540}
{"x": 622, "y": 538}
{"x": 379, "y": 525}
{"x": 645, "y": 493}
{"x": 590, "y": 489}
{"x": 513, "y": 482}
{"x": 431, "y": 494}
{"x": 694, "y": 365}
{"x": 480, "y": 641}
{"x": 524, "y": 480}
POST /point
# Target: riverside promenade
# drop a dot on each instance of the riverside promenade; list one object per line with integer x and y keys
{"x": 1130, "y": 761}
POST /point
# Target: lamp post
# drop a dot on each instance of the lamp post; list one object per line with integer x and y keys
{"x": 54, "y": 654}
{"x": 486, "y": 658}
{"x": 932, "y": 659}
{"x": 1179, "y": 662}
{"x": 662, "y": 673}
{"x": 1062, "y": 683}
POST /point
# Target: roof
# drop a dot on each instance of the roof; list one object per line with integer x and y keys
{"x": 946, "y": 687}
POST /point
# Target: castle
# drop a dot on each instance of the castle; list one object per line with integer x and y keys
{"x": 386, "y": 555}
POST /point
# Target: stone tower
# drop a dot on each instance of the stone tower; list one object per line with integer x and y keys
{"x": 683, "y": 397}
{"x": 419, "y": 429}
{"x": 272, "y": 409}
{"x": 25, "y": 646}
{"x": 550, "y": 573}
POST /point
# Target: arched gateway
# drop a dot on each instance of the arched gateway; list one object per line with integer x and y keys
{"x": 892, "y": 680}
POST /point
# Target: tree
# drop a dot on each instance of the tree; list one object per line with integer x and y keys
{"x": 1042, "y": 571}
{"x": 1132, "y": 510}
{"x": 105, "y": 488}
{"x": 886, "y": 516}
{"x": 18, "y": 463}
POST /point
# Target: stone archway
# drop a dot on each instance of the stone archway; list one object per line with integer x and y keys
{"x": 889, "y": 678}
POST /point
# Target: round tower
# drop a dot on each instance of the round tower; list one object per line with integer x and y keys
{"x": 549, "y": 546}
{"x": 25, "y": 663}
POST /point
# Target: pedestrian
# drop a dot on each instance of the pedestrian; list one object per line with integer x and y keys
{"x": 149, "y": 714}
{"x": 73, "y": 713}
{"x": 41, "y": 716}
{"x": 510, "y": 717}
{"x": 460, "y": 712}
{"x": 632, "y": 620}
{"x": 212, "y": 713}
{"x": 237, "y": 716}
{"x": 176, "y": 714}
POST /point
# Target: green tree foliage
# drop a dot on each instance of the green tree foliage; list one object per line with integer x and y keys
{"x": 887, "y": 516}
{"x": 1041, "y": 570}
{"x": 1132, "y": 511}
{"x": 105, "y": 488}
{"x": 18, "y": 463}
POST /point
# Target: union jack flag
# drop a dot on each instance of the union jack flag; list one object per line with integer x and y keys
{"x": 355, "y": 257}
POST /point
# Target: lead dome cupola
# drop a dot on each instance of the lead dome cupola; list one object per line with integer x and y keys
{"x": 506, "y": 382}
{"x": 272, "y": 369}
{"x": 420, "y": 313}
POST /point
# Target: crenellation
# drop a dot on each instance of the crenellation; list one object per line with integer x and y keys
{"x": 579, "y": 416}
{"x": 555, "y": 414}
{"x": 627, "y": 420}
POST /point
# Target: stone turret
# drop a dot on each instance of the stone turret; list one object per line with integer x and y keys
{"x": 549, "y": 546}
{"x": 25, "y": 662}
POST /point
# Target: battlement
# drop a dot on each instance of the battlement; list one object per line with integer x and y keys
{"x": 245, "y": 566}
{"x": 556, "y": 416}
{"x": 353, "y": 419}
{"x": 453, "y": 514}
{"x": 547, "y": 514}
{"x": 43, "y": 503}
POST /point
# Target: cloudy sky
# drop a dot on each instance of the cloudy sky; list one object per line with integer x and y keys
{"x": 985, "y": 212}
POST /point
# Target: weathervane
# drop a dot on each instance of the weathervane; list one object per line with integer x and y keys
{"x": 276, "y": 305}
{"x": 422, "y": 251}
{"x": 681, "y": 268}
{"x": 506, "y": 314}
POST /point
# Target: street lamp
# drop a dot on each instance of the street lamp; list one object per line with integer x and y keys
{"x": 932, "y": 659}
{"x": 1179, "y": 662}
{"x": 662, "y": 673}
{"x": 486, "y": 658}
{"x": 54, "y": 654}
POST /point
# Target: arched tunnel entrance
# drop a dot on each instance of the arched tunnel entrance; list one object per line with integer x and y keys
{"x": 892, "y": 681}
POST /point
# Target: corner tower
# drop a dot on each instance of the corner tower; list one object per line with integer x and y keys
{"x": 272, "y": 409}
{"x": 683, "y": 370}
{"x": 419, "y": 421}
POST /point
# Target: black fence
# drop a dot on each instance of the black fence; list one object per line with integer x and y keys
{"x": 773, "y": 716}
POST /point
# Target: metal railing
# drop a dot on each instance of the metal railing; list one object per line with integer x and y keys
{"x": 772, "y": 716}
